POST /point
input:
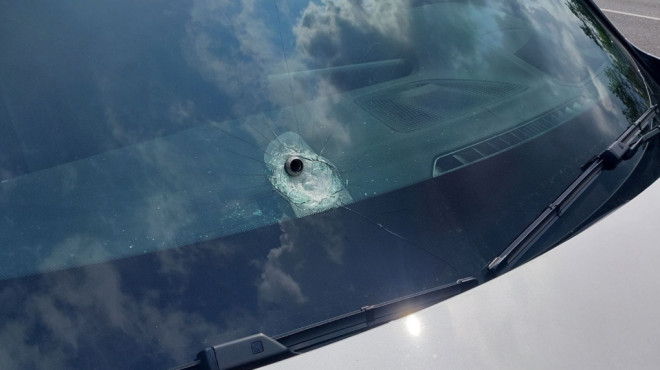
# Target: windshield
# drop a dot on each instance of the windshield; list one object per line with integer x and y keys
{"x": 178, "y": 174}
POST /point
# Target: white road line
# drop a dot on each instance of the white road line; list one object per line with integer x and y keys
{"x": 631, "y": 14}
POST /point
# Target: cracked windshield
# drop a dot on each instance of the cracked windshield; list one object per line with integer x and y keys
{"x": 178, "y": 174}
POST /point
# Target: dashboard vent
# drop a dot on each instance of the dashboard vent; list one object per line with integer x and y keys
{"x": 509, "y": 139}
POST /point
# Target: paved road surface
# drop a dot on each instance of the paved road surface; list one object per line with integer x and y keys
{"x": 638, "y": 20}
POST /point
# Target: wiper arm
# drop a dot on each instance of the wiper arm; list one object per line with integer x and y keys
{"x": 260, "y": 349}
{"x": 623, "y": 148}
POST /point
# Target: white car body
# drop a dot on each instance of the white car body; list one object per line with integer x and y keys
{"x": 591, "y": 302}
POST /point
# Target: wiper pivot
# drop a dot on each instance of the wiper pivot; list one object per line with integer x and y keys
{"x": 247, "y": 352}
{"x": 627, "y": 144}
{"x": 613, "y": 155}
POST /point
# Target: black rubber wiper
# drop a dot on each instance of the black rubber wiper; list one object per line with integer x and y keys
{"x": 623, "y": 148}
{"x": 260, "y": 349}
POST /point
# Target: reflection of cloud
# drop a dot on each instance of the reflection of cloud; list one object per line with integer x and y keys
{"x": 182, "y": 112}
{"x": 231, "y": 45}
{"x": 166, "y": 214}
{"x": 17, "y": 353}
{"x": 75, "y": 248}
{"x": 94, "y": 305}
{"x": 163, "y": 212}
{"x": 340, "y": 32}
{"x": 180, "y": 262}
{"x": 329, "y": 238}
{"x": 276, "y": 285}
{"x": 238, "y": 45}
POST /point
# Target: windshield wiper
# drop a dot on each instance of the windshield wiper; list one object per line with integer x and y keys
{"x": 260, "y": 349}
{"x": 623, "y": 148}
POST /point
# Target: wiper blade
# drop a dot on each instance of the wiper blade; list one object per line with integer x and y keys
{"x": 623, "y": 148}
{"x": 260, "y": 349}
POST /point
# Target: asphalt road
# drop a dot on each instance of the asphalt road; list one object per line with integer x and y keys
{"x": 638, "y": 20}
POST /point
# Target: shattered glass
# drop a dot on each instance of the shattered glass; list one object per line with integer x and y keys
{"x": 317, "y": 188}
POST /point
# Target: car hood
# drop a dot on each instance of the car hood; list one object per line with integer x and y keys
{"x": 591, "y": 302}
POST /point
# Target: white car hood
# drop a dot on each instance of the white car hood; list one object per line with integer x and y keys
{"x": 592, "y": 302}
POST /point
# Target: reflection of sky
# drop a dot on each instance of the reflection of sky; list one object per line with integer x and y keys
{"x": 133, "y": 130}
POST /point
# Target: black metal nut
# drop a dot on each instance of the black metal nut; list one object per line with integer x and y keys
{"x": 294, "y": 166}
